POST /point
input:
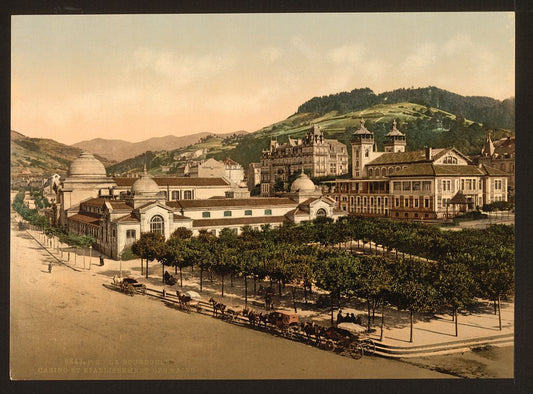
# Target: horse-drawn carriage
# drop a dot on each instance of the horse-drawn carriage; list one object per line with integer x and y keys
{"x": 349, "y": 340}
{"x": 284, "y": 321}
{"x": 129, "y": 285}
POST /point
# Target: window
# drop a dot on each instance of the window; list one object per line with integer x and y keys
{"x": 371, "y": 200}
{"x": 358, "y": 200}
{"x": 370, "y": 172}
{"x": 114, "y": 233}
{"x": 268, "y": 211}
{"x": 498, "y": 184}
{"x": 175, "y": 195}
{"x": 406, "y": 185}
{"x": 462, "y": 184}
{"x": 206, "y": 214}
{"x": 426, "y": 202}
{"x": 469, "y": 184}
{"x": 416, "y": 185}
{"x": 157, "y": 225}
{"x": 397, "y": 185}
{"x": 397, "y": 202}
{"x": 446, "y": 185}
{"x": 386, "y": 203}
{"x": 450, "y": 160}
{"x": 165, "y": 194}
{"x": 227, "y": 213}
{"x": 248, "y": 212}
{"x": 130, "y": 234}
{"x": 416, "y": 202}
{"x": 426, "y": 185}
{"x": 406, "y": 202}
{"x": 187, "y": 195}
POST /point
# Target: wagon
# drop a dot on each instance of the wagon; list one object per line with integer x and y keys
{"x": 130, "y": 286}
{"x": 283, "y": 321}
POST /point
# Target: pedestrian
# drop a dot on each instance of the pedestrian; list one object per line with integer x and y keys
{"x": 339, "y": 317}
{"x": 164, "y": 293}
{"x": 101, "y": 261}
{"x": 352, "y": 318}
{"x": 50, "y": 267}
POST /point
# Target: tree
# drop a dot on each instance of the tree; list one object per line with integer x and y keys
{"x": 149, "y": 247}
{"x": 176, "y": 252}
{"x": 455, "y": 286}
{"x": 181, "y": 233}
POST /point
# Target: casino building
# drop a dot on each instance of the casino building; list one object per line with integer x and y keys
{"x": 92, "y": 204}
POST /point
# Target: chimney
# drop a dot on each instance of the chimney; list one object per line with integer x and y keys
{"x": 428, "y": 152}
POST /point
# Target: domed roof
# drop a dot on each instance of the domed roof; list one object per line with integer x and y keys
{"x": 86, "y": 165}
{"x": 302, "y": 184}
{"x": 145, "y": 185}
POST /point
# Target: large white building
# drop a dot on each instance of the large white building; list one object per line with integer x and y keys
{"x": 117, "y": 217}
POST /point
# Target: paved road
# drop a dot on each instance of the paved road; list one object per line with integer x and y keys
{"x": 67, "y": 325}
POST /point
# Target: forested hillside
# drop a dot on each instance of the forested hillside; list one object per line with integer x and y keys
{"x": 491, "y": 112}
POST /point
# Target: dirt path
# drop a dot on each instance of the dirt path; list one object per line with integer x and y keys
{"x": 67, "y": 325}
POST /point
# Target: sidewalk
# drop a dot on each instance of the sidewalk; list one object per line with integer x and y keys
{"x": 431, "y": 334}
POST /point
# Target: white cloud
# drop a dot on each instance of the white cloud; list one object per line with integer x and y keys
{"x": 351, "y": 54}
{"x": 460, "y": 44}
{"x": 181, "y": 70}
{"x": 304, "y": 49}
{"x": 424, "y": 55}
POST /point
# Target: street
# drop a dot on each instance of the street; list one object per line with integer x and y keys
{"x": 67, "y": 325}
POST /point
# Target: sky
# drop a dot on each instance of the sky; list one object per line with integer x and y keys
{"x": 132, "y": 77}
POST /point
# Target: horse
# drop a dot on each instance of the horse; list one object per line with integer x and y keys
{"x": 252, "y": 316}
{"x": 263, "y": 318}
{"x": 232, "y": 314}
{"x": 217, "y": 306}
{"x": 183, "y": 299}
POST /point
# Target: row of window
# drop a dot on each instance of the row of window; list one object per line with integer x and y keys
{"x": 411, "y": 185}
{"x": 247, "y": 212}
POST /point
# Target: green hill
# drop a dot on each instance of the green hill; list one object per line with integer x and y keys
{"x": 41, "y": 157}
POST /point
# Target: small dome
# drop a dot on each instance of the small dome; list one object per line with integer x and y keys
{"x": 302, "y": 184}
{"x": 86, "y": 165}
{"x": 145, "y": 185}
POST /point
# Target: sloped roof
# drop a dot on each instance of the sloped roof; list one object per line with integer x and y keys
{"x": 493, "y": 171}
{"x": 239, "y": 221}
{"x": 429, "y": 169}
{"x": 175, "y": 181}
{"x": 130, "y": 217}
{"x": 232, "y": 202}
{"x": 119, "y": 204}
{"x": 409, "y": 157}
{"x": 90, "y": 220}
{"x": 459, "y": 198}
{"x": 94, "y": 202}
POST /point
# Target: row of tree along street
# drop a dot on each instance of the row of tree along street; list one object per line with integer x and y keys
{"x": 33, "y": 217}
{"x": 418, "y": 267}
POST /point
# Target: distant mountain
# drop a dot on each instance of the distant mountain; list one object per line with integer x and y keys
{"x": 41, "y": 156}
{"x": 120, "y": 150}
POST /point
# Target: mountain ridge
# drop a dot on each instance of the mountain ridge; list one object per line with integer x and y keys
{"x": 120, "y": 150}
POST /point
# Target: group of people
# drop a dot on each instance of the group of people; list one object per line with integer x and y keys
{"x": 349, "y": 318}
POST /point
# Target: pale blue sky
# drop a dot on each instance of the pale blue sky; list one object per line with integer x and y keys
{"x": 77, "y": 77}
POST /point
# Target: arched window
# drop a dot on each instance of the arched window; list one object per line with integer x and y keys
{"x": 321, "y": 213}
{"x": 187, "y": 195}
{"x": 378, "y": 172}
{"x": 175, "y": 195}
{"x": 157, "y": 225}
{"x": 370, "y": 172}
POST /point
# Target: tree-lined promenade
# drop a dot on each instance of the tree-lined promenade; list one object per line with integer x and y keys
{"x": 418, "y": 267}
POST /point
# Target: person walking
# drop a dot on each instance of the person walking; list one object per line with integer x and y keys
{"x": 101, "y": 261}
{"x": 50, "y": 267}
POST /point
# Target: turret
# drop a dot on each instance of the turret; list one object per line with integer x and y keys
{"x": 362, "y": 148}
{"x": 395, "y": 140}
